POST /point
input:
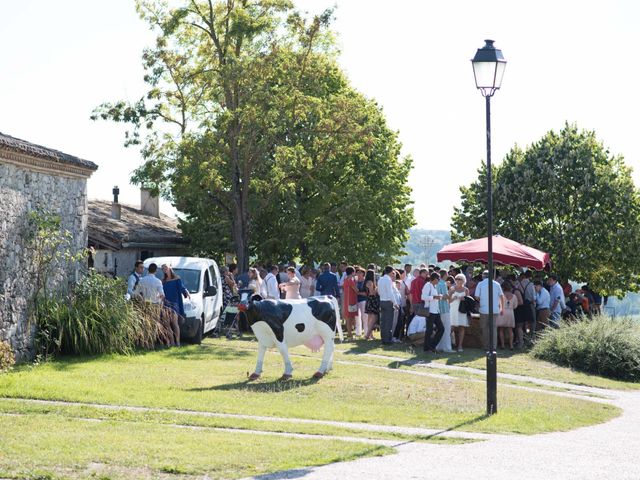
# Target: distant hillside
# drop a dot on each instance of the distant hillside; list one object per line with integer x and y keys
{"x": 423, "y": 245}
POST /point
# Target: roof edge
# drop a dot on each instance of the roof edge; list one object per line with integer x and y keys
{"x": 36, "y": 157}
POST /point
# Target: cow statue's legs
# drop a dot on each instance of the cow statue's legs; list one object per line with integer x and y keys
{"x": 261, "y": 351}
{"x": 327, "y": 356}
{"x": 288, "y": 367}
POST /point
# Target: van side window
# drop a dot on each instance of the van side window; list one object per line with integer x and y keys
{"x": 212, "y": 272}
{"x": 207, "y": 281}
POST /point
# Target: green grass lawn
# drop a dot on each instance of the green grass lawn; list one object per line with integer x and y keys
{"x": 212, "y": 377}
{"x": 53, "y": 446}
{"x": 197, "y": 419}
{"x": 514, "y": 362}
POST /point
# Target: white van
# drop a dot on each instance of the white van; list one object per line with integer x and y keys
{"x": 201, "y": 277}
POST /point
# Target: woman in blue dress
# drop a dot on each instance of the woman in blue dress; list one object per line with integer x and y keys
{"x": 174, "y": 290}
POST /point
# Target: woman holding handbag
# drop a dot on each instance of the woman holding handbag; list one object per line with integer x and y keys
{"x": 350, "y": 300}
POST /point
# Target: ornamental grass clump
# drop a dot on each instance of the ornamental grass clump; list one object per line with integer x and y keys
{"x": 602, "y": 345}
{"x": 94, "y": 318}
{"x": 7, "y": 359}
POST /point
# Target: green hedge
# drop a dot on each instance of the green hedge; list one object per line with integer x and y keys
{"x": 602, "y": 345}
{"x": 95, "y": 318}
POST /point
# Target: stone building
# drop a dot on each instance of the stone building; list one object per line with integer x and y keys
{"x": 121, "y": 234}
{"x": 34, "y": 178}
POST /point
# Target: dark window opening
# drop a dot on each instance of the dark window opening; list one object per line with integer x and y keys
{"x": 144, "y": 254}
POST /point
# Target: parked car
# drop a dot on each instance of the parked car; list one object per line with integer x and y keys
{"x": 201, "y": 277}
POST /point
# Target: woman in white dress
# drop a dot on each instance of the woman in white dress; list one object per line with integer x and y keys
{"x": 459, "y": 320}
{"x": 292, "y": 287}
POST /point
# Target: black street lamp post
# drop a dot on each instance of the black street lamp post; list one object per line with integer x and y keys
{"x": 488, "y": 69}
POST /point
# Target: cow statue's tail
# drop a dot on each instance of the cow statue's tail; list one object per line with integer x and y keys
{"x": 336, "y": 308}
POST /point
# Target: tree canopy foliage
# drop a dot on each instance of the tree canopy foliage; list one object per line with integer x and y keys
{"x": 272, "y": 152}
{"x": 568, "y": 195}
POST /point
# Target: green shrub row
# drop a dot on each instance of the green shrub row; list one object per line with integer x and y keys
{"x": 602, "y": 345}
{"x": 95, "y": 318}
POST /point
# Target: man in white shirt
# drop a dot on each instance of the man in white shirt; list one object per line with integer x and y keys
{"x": 482, "y": 295}
{"x": 150, "y": 286}
{"x": 431, "y": 299}
{"x": 408, "y": 275}
{"x": 271, "y": 289}
{"x": 388, "y": 303}
{"x": 556, "y": 298}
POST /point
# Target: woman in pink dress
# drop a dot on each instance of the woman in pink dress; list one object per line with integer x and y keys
{"x": 292, "y": 287}
{"x": 506, "y": 321}
{"x": 350, "y": 300}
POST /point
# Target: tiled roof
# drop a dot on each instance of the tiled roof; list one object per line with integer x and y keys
{"x": 8, "y": 142}
{"x": 134, "y": 227}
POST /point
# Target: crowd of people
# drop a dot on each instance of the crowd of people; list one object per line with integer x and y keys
{"x": 398, "y": 302}
{"x": 390, "y": 299}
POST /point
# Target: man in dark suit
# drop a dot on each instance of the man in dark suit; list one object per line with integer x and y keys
{"x": 327, "y": 283}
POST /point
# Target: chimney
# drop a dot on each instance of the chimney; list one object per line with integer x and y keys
{"x": 116, "y": 208}
{"x": 149, "y": 204}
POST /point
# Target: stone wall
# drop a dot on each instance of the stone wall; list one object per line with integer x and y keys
{"x": 21, "y": 191}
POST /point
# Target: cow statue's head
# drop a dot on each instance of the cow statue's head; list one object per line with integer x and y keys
{"x": 247, "y": 307}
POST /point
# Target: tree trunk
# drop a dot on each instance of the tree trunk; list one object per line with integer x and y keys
{"x": 240, "y": 233}
{"x": 240, "y": 187}
{"x": 304, "y": 254}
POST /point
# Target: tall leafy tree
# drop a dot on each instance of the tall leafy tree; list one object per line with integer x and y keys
{"x": 268, "y": 137}
{"x": 568, "y": 195}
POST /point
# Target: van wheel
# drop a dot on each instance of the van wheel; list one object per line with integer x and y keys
{"x": 198, "y": 337}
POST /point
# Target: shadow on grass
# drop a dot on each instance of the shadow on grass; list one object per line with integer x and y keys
{"x": 472, "y": 421}
{"x": 210, "y": 351}
{"x": 365, "y": 346}
{"x": 66, "y": 362}
{"x": 260, "y": 387}
{"x": 204, "y": 351}
{"x": 469, "y": 358}
{"x": 469, "y": 355}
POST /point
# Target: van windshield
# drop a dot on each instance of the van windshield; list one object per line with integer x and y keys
{"x": 190, "y": 278}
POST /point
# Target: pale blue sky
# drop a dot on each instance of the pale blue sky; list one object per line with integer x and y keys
{"x": 567, "y": 60}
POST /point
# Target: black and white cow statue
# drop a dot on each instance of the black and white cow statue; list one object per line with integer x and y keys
{"x": 288, "y": 323}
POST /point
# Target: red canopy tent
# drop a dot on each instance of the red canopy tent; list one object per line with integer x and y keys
{"x": 505, "y": 252}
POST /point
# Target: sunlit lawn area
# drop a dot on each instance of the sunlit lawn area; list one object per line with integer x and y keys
{"x": 87, "y": 441}
{"x": 38, "y": 446}
{"x": 513, "y": 362}
{"x": 198, "y": 419}
{"x": 212, "y": 377}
